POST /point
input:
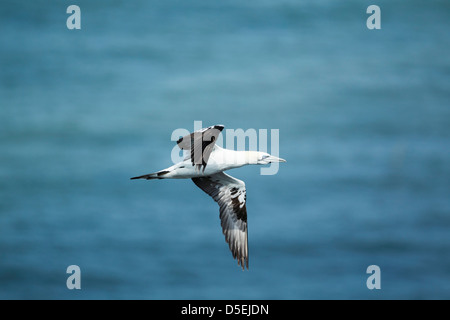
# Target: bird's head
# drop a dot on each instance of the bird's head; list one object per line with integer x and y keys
{"x": 265, "y": 158}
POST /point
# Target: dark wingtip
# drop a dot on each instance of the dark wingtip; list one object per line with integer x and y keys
{"x": 243, "y": 263}
{"x": 219, "y": 127}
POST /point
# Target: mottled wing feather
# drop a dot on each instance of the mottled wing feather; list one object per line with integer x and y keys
{"x": 230, "y": 194}
{"x": 200, "y": 144}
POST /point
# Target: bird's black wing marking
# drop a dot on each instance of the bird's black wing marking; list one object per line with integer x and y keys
{"x": 200, "y": 144}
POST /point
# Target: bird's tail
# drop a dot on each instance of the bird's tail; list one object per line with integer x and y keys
{"x": 150, "y": 176}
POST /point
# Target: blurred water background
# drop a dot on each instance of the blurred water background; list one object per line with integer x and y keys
{"x": 364, "y": 120}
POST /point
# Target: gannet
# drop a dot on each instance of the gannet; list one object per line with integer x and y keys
{"x": 205, "y": 165}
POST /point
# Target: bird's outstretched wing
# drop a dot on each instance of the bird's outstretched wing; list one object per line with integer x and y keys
{"x": 230, "y": 194}
{"x": 200, "y": 144}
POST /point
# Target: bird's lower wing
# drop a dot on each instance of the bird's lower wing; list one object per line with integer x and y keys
{"x": 230, "y": 194}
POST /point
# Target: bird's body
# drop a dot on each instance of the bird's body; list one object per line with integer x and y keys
{"x": 220, "y": 160}
{"x": 205, "y": 166}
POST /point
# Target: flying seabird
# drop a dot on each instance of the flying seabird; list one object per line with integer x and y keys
{"x": 205, "y": 165}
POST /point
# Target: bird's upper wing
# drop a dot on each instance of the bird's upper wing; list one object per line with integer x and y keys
{"x": 200, "y": 143}
{"x": 230, "y": 194}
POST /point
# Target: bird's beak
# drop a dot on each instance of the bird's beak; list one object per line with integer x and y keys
{"x": 275, "y": 159}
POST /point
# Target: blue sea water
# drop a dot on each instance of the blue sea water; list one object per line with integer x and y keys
{"x": 364, "y": 122}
